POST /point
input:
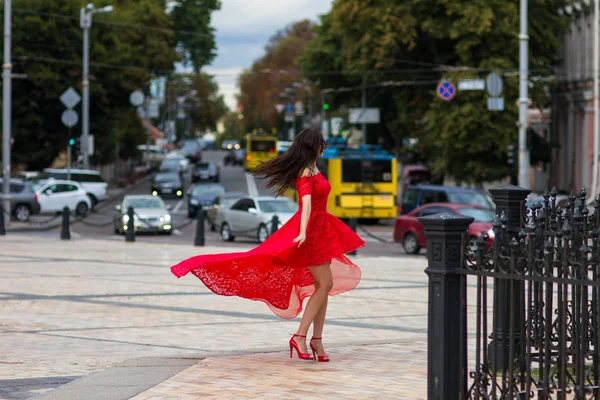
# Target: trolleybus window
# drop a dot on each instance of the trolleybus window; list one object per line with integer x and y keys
{"x": 366, "y": 170}
{"x": 267, "y": 146}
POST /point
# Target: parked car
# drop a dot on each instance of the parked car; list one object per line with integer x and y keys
{"x": 202, "y": 196}
{"x": 230, "y": 145}
{"x": 23, "y": 202}
{"x": 56, "y": 194}
{"x": 222, "y": 202}
{"x": 151, "y": 215}
{"x": 252, "y": 216}
{"x": 206, "y": 171}
{"x": 418, "y": 195}
{"x": 409, "y": 231}
{"x": 167, "y": 183}
{"x": 91, "y": 181}
{"x": 235, "y": 157}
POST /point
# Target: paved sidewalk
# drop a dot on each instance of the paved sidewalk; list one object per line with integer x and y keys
{"x": 108, "y": 317}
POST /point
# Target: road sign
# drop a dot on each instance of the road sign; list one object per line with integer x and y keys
{"x": 157, "y": 89}
{"x": 495, "y": 103}
{"x": 364, "y": 116}
{"x": 136, "y": 98}
{"x": 471, "y": 84}
{"x": 153, "y": 111}
{"x": 494, "y": 84}
{"x": 69, "y": 118}
{"x": 289, "y": 107}
{"x": 446, "y": 90}
{"x": 70, "y": 98}
{"x": 289, "y": 117}
{"x": 279, "y": 107}
{"x": 299, "y": 108}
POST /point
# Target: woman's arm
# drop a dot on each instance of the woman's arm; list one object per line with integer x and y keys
{"x": 304, "y": 217}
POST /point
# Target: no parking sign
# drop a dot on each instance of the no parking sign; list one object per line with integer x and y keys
{"x": 446, "y": 90}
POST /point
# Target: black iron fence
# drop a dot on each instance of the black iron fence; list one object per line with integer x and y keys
{"x": 517, "y": 318}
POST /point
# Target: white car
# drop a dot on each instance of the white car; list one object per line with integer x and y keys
{"x": 91, "y": 181}
{"x": 55, "y": 195}
{"x": 252, "y": 216}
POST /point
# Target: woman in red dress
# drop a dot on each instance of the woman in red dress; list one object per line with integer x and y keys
{"x": 305, "y": 257}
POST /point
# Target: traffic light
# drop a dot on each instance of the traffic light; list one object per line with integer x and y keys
{"x": 511, "y": 154}
{"x": 325, "y": 106}
{"x": 75, "y": 145}
{"x": 71, "y": 142}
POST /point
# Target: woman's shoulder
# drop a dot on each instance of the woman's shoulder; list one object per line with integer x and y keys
{"x": 307, "y": 173}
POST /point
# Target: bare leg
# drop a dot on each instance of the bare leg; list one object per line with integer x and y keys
{"x": 323, "y": 284}
{"x": 318, "y": 325}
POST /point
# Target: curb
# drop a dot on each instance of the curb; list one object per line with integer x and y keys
{"x": 98, "y": 207}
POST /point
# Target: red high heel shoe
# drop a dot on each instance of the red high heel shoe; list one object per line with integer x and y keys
{"x": 294, "y": 345}
{"x": 323, "y": 358}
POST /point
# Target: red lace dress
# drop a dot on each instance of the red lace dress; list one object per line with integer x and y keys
{"x": 276, "y": 272}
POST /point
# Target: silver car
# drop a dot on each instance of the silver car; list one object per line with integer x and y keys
{"x": 151, "y": 215}
{"x": 251, "y": 217}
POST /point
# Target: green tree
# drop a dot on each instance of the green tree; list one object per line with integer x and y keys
{"x": 194, "y": 36}
{"x": 422, "y": 42}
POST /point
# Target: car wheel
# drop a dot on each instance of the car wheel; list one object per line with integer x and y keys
{"x": 213, "y": 228}
{"x": 217, "y": 178}
{"x": 168, "y": 233}
{"x": 226, "y": 233}
{"x": 411, "y": 244}
{"x": 192, "y": 214}
{"x": 81, "y": 209}
{"x": 93, "y": 201}
{"x": 22, "y": 212}
{"x": 117, "y": 231}
{"x": 263, "y": 233}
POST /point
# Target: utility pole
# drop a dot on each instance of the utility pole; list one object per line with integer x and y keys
{"x": 364, "y": 106}
{"x": 85, "y": 21}
{"x": 523, "y": 98}
{"x": 6, "y": 112}
{"x": 322, "y": 119}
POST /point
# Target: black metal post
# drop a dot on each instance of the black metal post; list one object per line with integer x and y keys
{"x": 274, "y": 224}
{"x": 199, "y": 239}
{"x": 510, "y": 201}
{"x": 2, "y": 227}
{"x": 130, "y": 233}
{"x": 65, "y": 231}
{"x": 353, "y": 224}
{"x": 446, "y": 338}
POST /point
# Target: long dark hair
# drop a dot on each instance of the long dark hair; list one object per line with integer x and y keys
{"x": 282, "y": 171}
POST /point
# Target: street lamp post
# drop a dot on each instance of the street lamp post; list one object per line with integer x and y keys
{"x": 6, "y": 113}
{"x": 85, "y": 21}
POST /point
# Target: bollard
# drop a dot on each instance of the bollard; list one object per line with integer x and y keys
{"x": 130, "y": 233}
{"x": 2, "y": 227}
{"x": 199, "y": 239}
{"x": 65, "y": 232}
{"x": 274, "y": 224}
{"x": 353, "y": 224}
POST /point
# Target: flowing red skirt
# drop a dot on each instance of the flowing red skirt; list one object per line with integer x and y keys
{"x": 276, "y": 272}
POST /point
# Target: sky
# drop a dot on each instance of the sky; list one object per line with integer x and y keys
{"x": 244, "y": 27}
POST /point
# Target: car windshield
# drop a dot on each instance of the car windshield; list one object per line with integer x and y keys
{"x": 478, "y": 214}
{"x": 171, "y": 162}
{"x": 36, "y": 186}
{"x": 208, "y": 190}
{"x": 476, "y": 198}
{"x": 146, "y": 202}
{"x": 167, "y": 178}
{"x": 283, "y": 206}
{"x": 203, "y": 165}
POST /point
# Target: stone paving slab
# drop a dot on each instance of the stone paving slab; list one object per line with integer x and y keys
{"x": 387, "y": 371}
{"x": 73, "y": 308}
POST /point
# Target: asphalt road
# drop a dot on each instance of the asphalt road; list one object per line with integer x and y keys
{"x": 234, "y": 179}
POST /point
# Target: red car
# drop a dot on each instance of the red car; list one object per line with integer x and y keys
{"x": 411, "y": 233}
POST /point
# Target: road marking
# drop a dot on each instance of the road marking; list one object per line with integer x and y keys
{"x": 252, "y": 189}
{"x": 177, "y": 232}
{"x": 178, "y": 206}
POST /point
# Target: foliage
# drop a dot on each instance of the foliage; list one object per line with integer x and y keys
{"x": 194, "y": 36}
{"x": 421, "y": 42}
{"x": 233, "y": 127}
{"x": 262, "y": 84}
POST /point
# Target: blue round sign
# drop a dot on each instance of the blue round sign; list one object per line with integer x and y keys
{"x": 446, "y": 90}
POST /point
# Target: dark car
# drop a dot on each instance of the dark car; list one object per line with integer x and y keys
{"x": 192, "y": 150}
{"x": 235, "y": 157}
{"x": 206, "y": 171}
{"x": 418, "y": 195}
{"x": 23, "y": 201}
{"x": 167, "y": 183}
{"x": 202, "y": 196}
